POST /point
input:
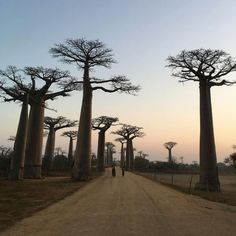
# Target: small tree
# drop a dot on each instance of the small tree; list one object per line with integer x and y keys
{"x": 231, "y": 160}
{"x": 87, "y": 55}
{"x": 54, "y": 124}
{"x": 102, "y": 123}
{"x": 169, "y": 146}
{"x": 206, "y": 67}
{"x": 72, "y": 136}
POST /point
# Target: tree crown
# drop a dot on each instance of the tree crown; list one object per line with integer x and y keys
{"x": 71, "y": 134}
{"x": 129, "y": 132}
{"x": 202, "y": 64}
{"x": 58, "y": 123}
{"x": 84, "y": 53}
{"x": 169, "y": 145}
{"x": 35, "y": 81}
{"x": 103, "y": 123}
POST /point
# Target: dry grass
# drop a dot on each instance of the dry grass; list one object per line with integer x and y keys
{"x": 181, "y": 182}
{"x": 22, "y": 198}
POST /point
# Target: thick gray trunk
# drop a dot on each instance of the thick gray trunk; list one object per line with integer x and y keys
{"x": 82, "y": 164}
{"x": 122, "y": 155}
{"x": 100, "y": 152}
{"x": 49, "y": 150}
{"x": 131, "y": 155}
{"x": 33, "y": 157}
{"x": 170, "y": 156}
{"x": 107, "y": 157}
{"x": 111, "y": 157}
{"x": 17, "y": 161}
{"x": 127, "y": 161}
{"x": 209, "y": 180}
{"x": 70, "y": 152}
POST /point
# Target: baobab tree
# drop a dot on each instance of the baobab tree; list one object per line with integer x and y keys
{"x": 207, "y": 67}
{"x": 36, "y": 82}
{"x": 129, "y": 132}
{"x": 87, "y": 55}
{"x": 53, "y": 125}
{"x": 122, "y": 154}
{"x": 169, "y": 146}
{"x": 110, "y": 150}
{"x": 72, "y": 136}
{"x": 102, "y": 123}
{"x": 17, "y": 161}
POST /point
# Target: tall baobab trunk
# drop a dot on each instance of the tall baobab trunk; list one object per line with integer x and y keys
{"x": 170, "y": 156}
{"x": 70, "y": 152}
{"x": 82, "y": 165}
{"x": 33, "y": 158}
{"x": 127, "y": 164}
{"x": 100, "y": 153}
{"x": 111, "y": 156}
{"x": 131, "y": 154}
{"x": 122, "y": 155}
{"x": 209, "y": 179}
{"x": 17, "y": 162}
{"x": 49, "y": 150}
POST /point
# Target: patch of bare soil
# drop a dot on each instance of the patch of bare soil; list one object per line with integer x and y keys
{"x": 23, "y": 198}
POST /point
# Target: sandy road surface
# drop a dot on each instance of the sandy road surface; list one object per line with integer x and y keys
{"x": 130, "y": 205}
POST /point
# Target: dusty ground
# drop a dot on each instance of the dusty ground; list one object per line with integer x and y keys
{"x": 130, "y": 205}
{"x": 182, "y": 183}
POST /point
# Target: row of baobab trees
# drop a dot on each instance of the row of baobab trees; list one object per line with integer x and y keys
{"x": 126, "y": 133}
{"x": 33, "y": 87}
{"x": 204, "y": 66}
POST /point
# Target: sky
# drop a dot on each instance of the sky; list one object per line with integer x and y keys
{"x": 142, "y": 34}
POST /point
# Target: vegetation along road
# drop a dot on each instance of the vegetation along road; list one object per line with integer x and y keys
{"x": 130, "y": 205}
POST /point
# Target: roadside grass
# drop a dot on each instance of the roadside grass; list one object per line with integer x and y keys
{"x": 226, "y": 196}
{"x": 20, "y": 199}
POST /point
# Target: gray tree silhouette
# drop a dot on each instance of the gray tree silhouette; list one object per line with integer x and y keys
{"x": 36, "y": 82}
{"x": 72, "y": 135}
{"x": 169, "y": 146}
{"x": 52, "y": 125}
{"x": 206, "y": 67}
{"x": 87, "y": 55}
{"x": 102, "y": 123}
{"x": 129, "y": 132}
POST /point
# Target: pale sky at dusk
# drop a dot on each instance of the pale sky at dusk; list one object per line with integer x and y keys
{"x": 142, "y": 33}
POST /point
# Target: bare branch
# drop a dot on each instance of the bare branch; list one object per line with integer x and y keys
{"x": 103, "y": 123}
{"x": 118, "y": 84}
{"x": 202, "y": 64}
{"x": 83, "y": 52}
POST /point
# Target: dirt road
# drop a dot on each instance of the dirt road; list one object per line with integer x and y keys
{"x": 130, "y": 205}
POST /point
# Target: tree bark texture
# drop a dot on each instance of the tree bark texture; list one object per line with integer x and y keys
{"x": 170, "y": 156}
{"x": 33, "y": 158}
{"x": 82, "y": 164}
{"x": 100, "y": 152}
{"x": 122, "y": 155}
{"x": 70, "y": 153}
{"x": 17, "y": 162}
{"x": 49, "y": 150}
{"x": 127, "y": 161}
{"x": 209, "y": 180}
{"x": 131, "y": 155}
{"x": 111, "y": 157}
